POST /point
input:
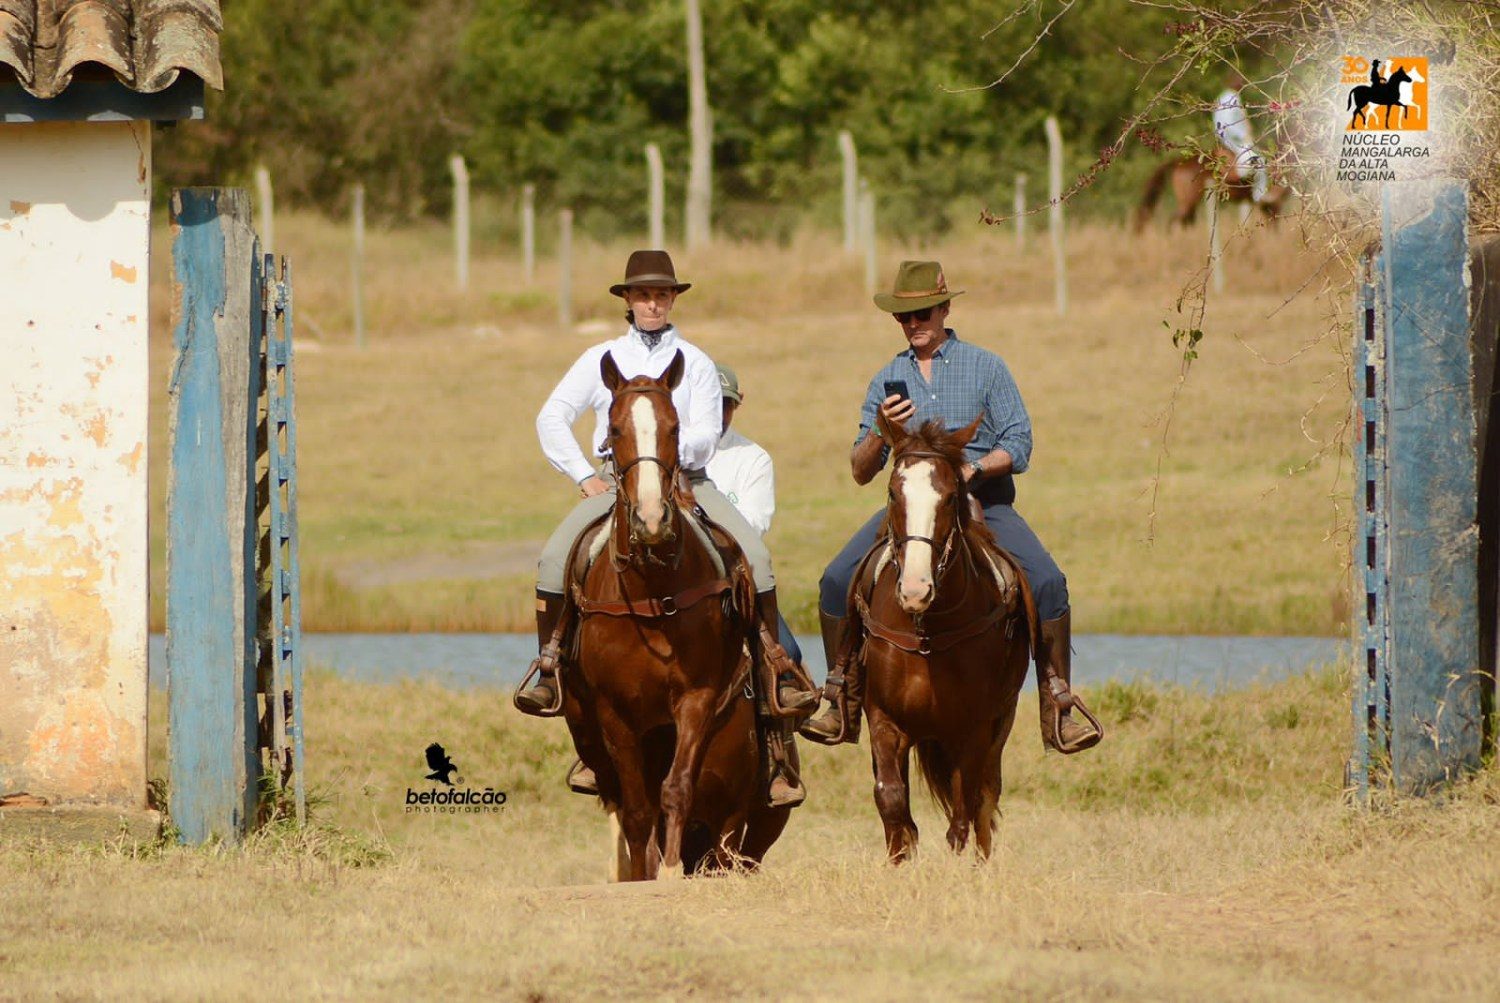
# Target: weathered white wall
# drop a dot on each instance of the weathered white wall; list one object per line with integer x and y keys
{"x": 74, "y": 237}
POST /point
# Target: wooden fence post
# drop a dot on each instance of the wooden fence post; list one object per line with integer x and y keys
{"x": 565, "y": 270}
{"x": 1020, "y": 212}
{"x": 211, "y": 522}
{"x": 266, "y": 217}
{"x": 656, "y": 198}
{"x": 867, "y": 230}
{"x": 700, "y": 166}
{"x": 528, "y": 232}
{"x": 357, "y": 264}
{"x": 1055, "y": 214}
{"x": 460, "y": 173}
{"x": 851, "y": 189}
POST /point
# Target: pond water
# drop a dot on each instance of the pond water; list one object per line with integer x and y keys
{"x": 490, "y": 660}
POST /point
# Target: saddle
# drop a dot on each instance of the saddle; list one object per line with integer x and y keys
{"x": 734, "y": 587}
{"x": 1011, "y": 593}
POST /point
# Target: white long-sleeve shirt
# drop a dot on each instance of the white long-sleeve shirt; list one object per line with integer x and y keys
{"x": 1231, "y": 123}
{"x": 742, "y": 472}
{"x": 699, "y": 413}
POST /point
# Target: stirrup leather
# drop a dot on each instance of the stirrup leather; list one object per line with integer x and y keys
{"x": 547, "y": 664}
{"x": 1063, "y": 700}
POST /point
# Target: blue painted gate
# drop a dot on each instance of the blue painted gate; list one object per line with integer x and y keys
{"x": 233, "y": 615}
{"x": 1417, "y": 679}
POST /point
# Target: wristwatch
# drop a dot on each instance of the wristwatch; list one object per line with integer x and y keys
{"x": 977, "y": 468}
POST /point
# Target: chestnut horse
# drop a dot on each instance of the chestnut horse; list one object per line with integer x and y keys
{"x": 1191, "y": 177}
{"x": 947, "y": 622}
{"x": 657, "y": 695}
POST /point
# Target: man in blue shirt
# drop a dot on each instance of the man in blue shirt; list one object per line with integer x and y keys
{"x": 952, "y": 380}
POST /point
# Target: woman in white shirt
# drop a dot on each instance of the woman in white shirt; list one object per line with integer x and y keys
{"x": 650, "y": 290}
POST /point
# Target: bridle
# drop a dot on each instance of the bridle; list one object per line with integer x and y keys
{"x": 670, "y": 468}
{"x": 898, "y": 543}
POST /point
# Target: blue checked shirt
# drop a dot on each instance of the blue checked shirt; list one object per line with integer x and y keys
{"x": 966, "y": 380}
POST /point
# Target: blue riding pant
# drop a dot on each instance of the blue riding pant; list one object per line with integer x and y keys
{"x": 1048, "y": 585}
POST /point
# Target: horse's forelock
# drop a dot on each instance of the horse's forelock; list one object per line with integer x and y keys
{"x": 932, "y": 437}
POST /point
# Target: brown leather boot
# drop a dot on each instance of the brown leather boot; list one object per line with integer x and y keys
{"x": 544, "y": 699}
{"x": 795, "y": 696}
{"x": 843, "y": 691}
{"x": 1054, "y": 660}
{"x": 581, "y": 779}
{"x": 785, "y": 789}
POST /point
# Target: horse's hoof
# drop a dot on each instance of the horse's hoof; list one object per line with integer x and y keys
{"x": 672, "y": 873}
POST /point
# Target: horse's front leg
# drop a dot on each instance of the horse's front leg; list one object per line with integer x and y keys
{"x": 693, "y": 716}
{"x": 637, "y": 812}
{"x": 890, "y": 750}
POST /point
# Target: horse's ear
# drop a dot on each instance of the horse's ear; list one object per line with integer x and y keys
{"x": 894, "y": 433}
{"x": 610, "y": 373}
{"x": 965, "y": 435}
{"x": 673, "y": 374}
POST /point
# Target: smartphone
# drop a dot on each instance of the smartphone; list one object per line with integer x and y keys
{"x": 897, "y": 387}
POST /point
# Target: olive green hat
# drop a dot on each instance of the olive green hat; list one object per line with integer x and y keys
{"x": 729, "y": 383}
{"x": 919, "y": 284}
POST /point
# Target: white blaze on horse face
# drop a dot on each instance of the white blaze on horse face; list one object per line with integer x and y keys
{"x": 921, "y": 496}
{"x": 650, "y": 499}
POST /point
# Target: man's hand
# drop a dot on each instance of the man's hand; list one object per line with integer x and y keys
{"x": 897, "y": 409}
{"x": 595, "y": 485}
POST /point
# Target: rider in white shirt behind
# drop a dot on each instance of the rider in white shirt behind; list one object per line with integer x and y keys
{"x": 1232, "y": 126}
{"x": 743, "y": 473}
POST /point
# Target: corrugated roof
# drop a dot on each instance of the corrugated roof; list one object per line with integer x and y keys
{"x": 146, "y": 44}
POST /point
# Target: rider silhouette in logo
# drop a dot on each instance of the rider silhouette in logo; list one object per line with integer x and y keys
{"x": 1376, "y": 77}
{"x": 442, "y": 767}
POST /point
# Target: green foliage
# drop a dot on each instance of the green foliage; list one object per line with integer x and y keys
{"x": 565, "y": 95}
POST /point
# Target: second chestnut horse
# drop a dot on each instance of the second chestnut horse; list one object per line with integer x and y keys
{"x": 945, "y": 619}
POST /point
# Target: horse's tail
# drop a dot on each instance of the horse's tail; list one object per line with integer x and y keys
{"x": 1154, "y": 185}
{"x": 938, "y": 772}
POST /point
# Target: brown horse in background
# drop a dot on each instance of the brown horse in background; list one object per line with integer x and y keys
{"x": 1191, "y": 176}
{"x": 657, "y": 694}
{"x": 947, "y": 622}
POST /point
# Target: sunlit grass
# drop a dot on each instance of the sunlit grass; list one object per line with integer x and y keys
{"x": 1202, "y": 851}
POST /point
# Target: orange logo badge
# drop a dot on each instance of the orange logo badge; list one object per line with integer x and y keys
{"x": 1385, "y": 95}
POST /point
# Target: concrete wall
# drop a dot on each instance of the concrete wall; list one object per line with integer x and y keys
{"x": 74, "y": 236}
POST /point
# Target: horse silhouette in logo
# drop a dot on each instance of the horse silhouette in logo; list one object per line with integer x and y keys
{"x": 1388, "y": 94}
{"x": 442, "y": 767}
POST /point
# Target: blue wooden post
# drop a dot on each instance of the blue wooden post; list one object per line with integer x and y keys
{"x": 1417, "y": 691}
{"x": 211, "y": 525}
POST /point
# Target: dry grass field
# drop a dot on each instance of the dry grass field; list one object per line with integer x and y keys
{"x": 1202, "y": 852}
{"x": 425, "y": 496}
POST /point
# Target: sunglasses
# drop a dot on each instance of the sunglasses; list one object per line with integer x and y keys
{"x": 923, "y": 315}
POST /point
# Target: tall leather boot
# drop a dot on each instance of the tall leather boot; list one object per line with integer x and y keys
{"x": 1054, "y": 660}
{"x": 794, "y": 695}
{"x": 785, "y": 789}
{"x": 844, "y": 690}
{"x": 544, "y": 698}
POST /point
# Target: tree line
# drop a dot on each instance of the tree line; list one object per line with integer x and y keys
{"x": 564, "y": 94}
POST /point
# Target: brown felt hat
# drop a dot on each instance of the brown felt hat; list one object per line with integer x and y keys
{"x": 918, "y": 285}
{"x": 650, "y": 269}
